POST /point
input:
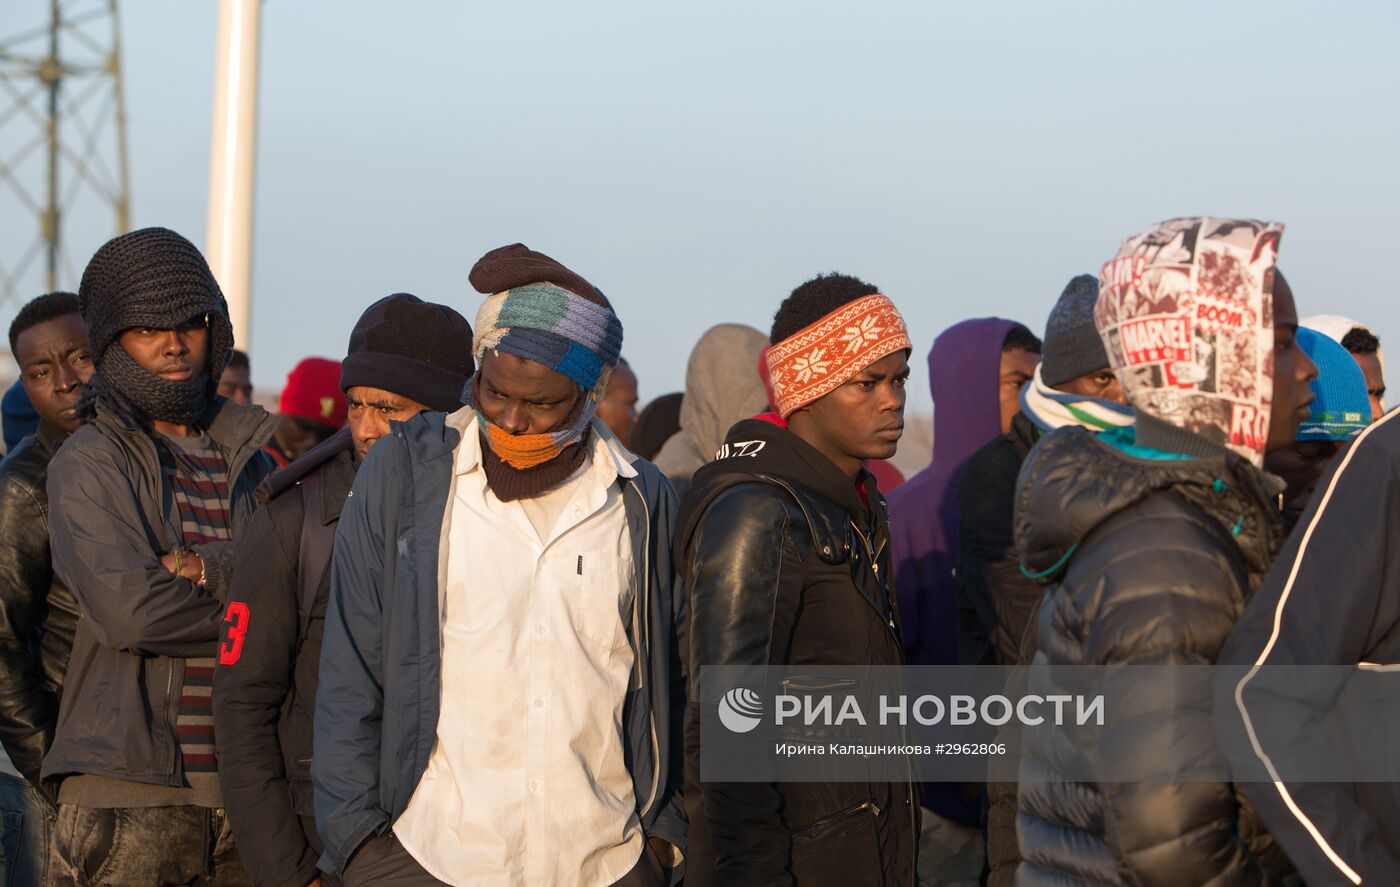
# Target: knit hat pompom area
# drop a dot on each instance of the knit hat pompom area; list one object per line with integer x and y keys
{"x": 157, "y": 279}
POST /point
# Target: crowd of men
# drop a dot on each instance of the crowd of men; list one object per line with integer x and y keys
{"x": 441, "y": 618}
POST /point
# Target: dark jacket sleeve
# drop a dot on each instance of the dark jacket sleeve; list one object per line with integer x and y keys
{"x": 735, "y": 567}
{"x": 28, "y": 710}
{"x": 104, "y": 555}
{"x": 251, "y": 684}
{"x": 994, "y": 598}
{"x": 350, "y": 695}
{"x": 670, "y": 824}
{"x": 1170, "y": 600}
{"x": 1332, "y": 594}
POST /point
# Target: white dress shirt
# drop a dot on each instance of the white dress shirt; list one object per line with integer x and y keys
{"x": 527, "y": 783}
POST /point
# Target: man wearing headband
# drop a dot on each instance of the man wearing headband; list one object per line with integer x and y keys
{"x": 784, "y": 546}
{"x": 500, "y": 695}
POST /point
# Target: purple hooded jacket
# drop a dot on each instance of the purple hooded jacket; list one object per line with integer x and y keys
{"x": 965, "y": 374}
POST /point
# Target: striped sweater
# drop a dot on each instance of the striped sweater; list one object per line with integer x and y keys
{"x": 197, "y": 474}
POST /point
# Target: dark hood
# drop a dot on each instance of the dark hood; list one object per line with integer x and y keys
{"x": 755, "y": 448}
{"x": 1074, "y": 480}
{"x": 304, "y": 465}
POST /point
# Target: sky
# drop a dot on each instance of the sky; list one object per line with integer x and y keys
{"x": 699, "y": 162}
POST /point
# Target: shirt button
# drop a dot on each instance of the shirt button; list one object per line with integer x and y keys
{"x": 539, "y": 629}
{"x": 534, "y": 785}
{"x": 539, "y": 702}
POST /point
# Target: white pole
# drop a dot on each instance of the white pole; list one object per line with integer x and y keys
{"x": 229, "y": 244}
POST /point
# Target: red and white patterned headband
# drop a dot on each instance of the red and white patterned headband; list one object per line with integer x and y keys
{"x": 817, "y": 360}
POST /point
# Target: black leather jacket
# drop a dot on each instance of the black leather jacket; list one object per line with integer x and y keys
{"x": 37, "y": 613}
{"x": 780, "y": 574}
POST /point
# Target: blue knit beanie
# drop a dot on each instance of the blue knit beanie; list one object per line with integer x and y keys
{"x": 19, "y": 418}
{"x": 1341, "y": 408}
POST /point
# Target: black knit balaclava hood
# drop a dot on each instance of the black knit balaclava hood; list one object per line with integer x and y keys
{"x": 157, "y": 279}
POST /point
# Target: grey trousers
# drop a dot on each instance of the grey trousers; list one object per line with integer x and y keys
{"x": 382, "y": 860}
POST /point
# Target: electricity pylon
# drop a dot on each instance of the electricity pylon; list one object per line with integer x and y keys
{"x": 64, "y": 181}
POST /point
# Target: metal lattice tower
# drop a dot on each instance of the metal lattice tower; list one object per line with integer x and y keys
{"x": 64, "y": 184}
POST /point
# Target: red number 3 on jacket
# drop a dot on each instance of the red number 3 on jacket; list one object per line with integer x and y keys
{"x": 237, "y": 618}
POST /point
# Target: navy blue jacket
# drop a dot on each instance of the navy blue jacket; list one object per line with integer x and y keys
{"x": 381, "y": 669}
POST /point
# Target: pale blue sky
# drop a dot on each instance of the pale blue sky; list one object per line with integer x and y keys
{"x": 698, "y": 163}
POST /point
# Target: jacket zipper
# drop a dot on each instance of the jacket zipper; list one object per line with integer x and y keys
{"x": 644, "y": 607}
{"x": 888, "y": 616}
{"x": 849, "y": 811}
{"x": 908, "y": 765}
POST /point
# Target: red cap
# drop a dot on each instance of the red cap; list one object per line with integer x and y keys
{"x": 313, "y": 392}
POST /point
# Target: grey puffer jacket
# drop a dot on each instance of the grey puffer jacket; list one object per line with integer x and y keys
{"x": 1150, "y": 557}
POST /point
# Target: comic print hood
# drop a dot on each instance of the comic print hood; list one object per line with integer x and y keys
{"x": 1185, "y": 311}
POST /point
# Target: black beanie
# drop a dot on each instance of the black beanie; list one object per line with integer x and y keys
{"x": 1072, "y": 345}
{"x": 152, "y": 278}
{"x": 414, "y": 348}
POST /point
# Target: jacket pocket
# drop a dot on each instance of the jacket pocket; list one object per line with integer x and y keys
{"x": 87, "y": 839}
{"x": 840, "y": 849}
{"x": 601, "y": 599}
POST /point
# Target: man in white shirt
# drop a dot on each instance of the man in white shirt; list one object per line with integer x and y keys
{"x": 501, "y": 695}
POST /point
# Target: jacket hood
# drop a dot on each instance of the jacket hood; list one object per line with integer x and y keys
{"x": 1186, "y": 313}
{"x": 305, "y": 465}
{"x": 759, "y": 451}
{"x": 722, "y": 386}
{"x": 754, "y": 446}
{"x": 755, "y": 449}
{"x": 1075, "y": 480}
{"x": 964, "y": 372}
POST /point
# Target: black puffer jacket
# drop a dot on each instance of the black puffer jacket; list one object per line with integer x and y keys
{"x": 1151, "y": 559}
{"x": 784, "y": 565}
{"x": 37, "y": 613}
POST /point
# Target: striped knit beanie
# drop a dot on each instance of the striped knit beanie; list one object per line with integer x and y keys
{"x": 539, "y": 310}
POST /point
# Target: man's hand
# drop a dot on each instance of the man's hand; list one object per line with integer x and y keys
{"x": 191, "y": 565}
{"x": 315, "y": 882}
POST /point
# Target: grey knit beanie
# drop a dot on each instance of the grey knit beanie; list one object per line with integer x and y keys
{"x": 1072, "y": 344}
